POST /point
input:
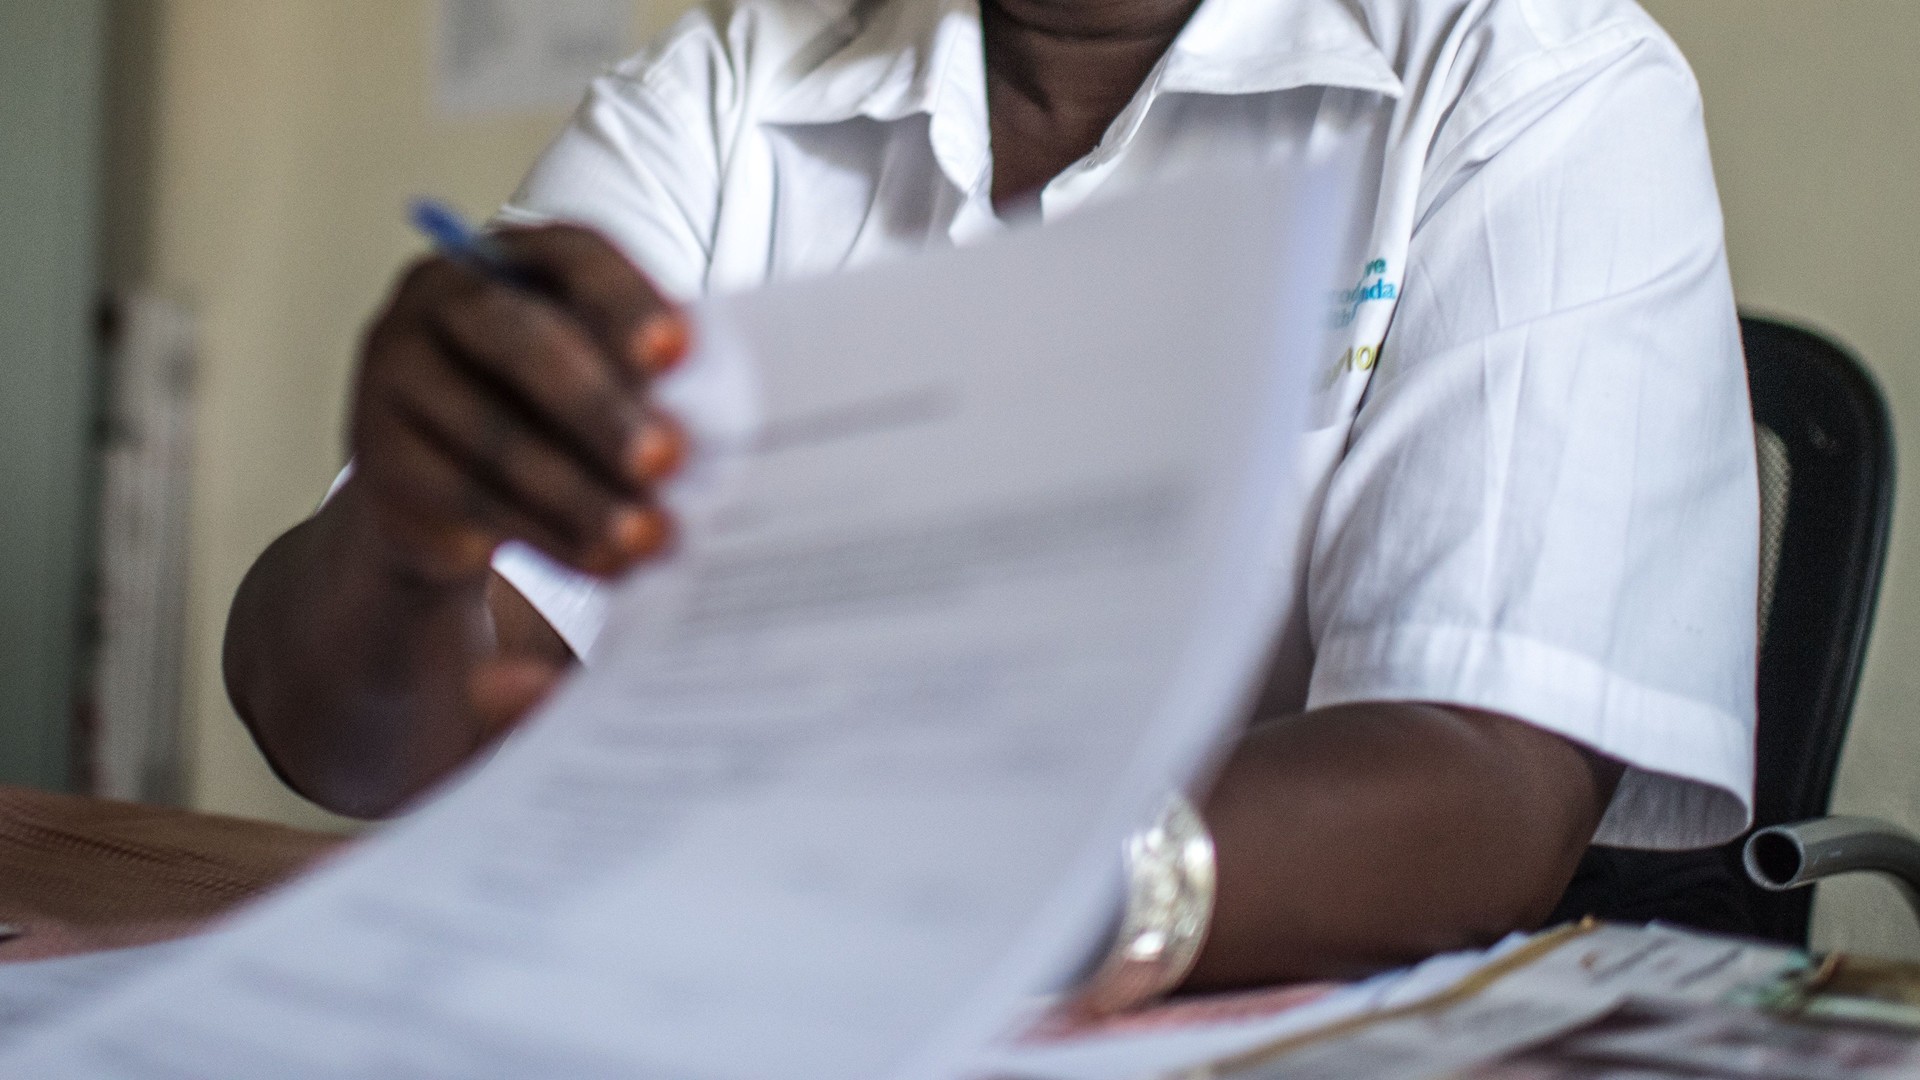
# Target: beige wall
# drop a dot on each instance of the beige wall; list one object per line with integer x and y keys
{"x": 289, "y": 135}
{"x": 290, "y": 132}
{"x": 1814, "y": 111}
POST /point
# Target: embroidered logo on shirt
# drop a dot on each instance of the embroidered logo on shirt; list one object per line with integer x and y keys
{"x": 1373, "y": 287}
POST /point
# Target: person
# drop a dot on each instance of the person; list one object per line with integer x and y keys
{"x": 1527, "y": 584}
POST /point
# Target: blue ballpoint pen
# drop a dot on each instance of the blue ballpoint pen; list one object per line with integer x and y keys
{"x": 461, "y": 242}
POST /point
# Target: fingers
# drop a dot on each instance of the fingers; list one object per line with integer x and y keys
{"x": 618, "y": 306}
{"x": 487, "y": 410}
{"x": 456, "y": 509}
{"x": 505, "y": 457}
{"x": 536, "y": 355}
{"x": 431, "y": 500}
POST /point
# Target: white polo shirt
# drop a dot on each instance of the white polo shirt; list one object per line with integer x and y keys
{"x": 1531, "y": 465}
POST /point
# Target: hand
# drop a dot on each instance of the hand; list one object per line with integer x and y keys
{"x": 529, "y": 661}
{"x": 487, "y": 412}
{"x": 506, "y": 690}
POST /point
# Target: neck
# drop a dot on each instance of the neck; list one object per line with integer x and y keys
{"x": 1079, "y": 54}
{"x": 1059, "y": 71}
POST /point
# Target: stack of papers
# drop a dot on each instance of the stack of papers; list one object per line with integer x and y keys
{"x": 1590, "y": 1002}
{"x": 1439, "y": 1019}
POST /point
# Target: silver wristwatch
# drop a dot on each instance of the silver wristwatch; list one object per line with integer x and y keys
{"x": 1170, "y": 885}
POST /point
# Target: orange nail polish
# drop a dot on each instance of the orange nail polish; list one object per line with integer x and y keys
{"x": 660, "y": 451}
{"x": 639, "y": 533}
{"x": 662, "y": 342}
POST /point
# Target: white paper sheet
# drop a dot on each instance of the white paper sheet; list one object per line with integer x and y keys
{"x": 989, "y": 568}
{"x": 33, "y": 992}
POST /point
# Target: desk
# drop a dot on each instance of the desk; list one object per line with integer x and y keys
{"x": 83, "y": 874}
{"x": 88, "y": 874}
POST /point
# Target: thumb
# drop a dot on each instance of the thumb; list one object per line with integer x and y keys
{"x": 504, "y": 691}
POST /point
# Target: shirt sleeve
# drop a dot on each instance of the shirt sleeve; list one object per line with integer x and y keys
{"x": 638, "y": 163}
{"x": 1548, "y": 507}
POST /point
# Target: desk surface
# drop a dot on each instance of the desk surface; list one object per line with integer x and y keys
{"x": 86, "y": 874}
{"x": 81, "y": 874}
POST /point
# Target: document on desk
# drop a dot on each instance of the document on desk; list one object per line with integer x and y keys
{"x": 990, "y": 564}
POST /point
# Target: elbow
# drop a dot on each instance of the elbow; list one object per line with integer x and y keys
{"x": 347, "y": 794}
{"x": 339, "y": 753}
{"x": 1553, "y": 794}
{"x": 322, "y": 772}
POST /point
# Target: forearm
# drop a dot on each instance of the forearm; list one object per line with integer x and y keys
{"x": 1361, "y": 837}
{"x": 350, "y": 670}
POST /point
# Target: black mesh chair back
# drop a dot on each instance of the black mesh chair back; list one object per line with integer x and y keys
{"x": 1826, "y": 482}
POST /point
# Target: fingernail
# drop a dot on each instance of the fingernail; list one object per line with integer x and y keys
{"x": 661, "y": 342}
{"x": 639, "y": 533}
{"x": 659, "y": 451}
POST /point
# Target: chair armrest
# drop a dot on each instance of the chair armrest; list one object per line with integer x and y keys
{"x": 1783, "y": 857}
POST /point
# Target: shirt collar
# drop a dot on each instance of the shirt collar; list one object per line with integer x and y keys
{"x": 895, "y": 58}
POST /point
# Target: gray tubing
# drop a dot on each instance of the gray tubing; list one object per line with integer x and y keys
{"x": 1793, "y": 856}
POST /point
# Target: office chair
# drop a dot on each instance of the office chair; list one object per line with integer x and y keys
{"x": 1826, "y": 481}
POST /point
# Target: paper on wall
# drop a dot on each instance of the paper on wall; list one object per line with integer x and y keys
{"x": 496, "y": 56}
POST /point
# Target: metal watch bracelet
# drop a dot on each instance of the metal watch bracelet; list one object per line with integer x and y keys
{"x": 1169, "y": 907}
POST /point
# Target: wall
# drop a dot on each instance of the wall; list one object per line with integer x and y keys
{"x": 1814, "y": 111}
{"x": 50, "y": 60}
{"x": 287, "y": 137}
